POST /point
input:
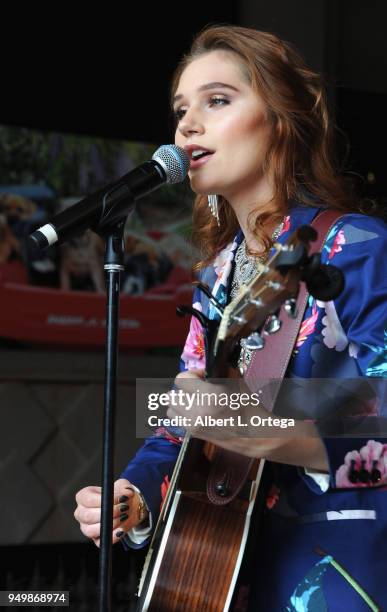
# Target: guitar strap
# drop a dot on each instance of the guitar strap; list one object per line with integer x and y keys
{"x": 266, "y": 370}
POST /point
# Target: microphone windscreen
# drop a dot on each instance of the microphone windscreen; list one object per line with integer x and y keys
{"x": 174, "y": 160}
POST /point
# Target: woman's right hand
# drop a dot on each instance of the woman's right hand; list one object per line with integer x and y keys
{"x": 125, "y": 511}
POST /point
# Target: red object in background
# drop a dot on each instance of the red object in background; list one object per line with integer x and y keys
{"x": 77, "y": 318}
{"x": 14, "y": 272}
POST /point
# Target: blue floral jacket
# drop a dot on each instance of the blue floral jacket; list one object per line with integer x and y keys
{"x": 344, "y": 338}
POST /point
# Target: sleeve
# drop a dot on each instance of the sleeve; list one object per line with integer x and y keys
{"x": 152, "y": 467}
{"x": 193, "y": 355}
{"x": 150, "y": 471}
{"x": 355, "y": 325}
{"x": 138, "y": 536}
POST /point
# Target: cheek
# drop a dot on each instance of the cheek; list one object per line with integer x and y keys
{"x": 248, "y": 133}
{"x": 178, "y": 139}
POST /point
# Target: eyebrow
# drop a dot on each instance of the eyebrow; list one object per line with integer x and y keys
{"x": 214, "y": 85}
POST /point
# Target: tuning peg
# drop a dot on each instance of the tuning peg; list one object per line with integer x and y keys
{"x": 274, "y": 285}
{"x": 182, "y": 310}
{"x": 306, "y": 233}
{"x": 256, "y": 302}
{"x": 254, "y": 342}
{"x": 241, "y": 320}
{"x": 273, "y": 325}
{"x": 324, "y": 282}
{"x": 290, "y": 307}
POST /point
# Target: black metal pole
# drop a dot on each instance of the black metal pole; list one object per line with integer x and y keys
{"x": 113, "y": 266}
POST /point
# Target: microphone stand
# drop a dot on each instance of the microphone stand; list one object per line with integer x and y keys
{"x": 113, "y": 266}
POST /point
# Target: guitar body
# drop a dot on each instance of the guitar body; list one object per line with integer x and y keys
{"x": 196, "y": 553}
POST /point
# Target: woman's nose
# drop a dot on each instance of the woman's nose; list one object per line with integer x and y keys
{"x": 191, "y": 123}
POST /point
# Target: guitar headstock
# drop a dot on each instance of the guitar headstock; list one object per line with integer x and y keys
{"x": 276, "y": 282}
{"x": 253, "y": 311}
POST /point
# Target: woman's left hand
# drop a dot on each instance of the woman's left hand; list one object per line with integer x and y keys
{"x": 249, "y": 429}
{"x": 225, "y": 423}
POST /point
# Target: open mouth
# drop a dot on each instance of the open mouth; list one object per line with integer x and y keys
{"x": 199, "y": 154}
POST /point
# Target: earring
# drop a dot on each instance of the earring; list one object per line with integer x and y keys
{"x": 213, "y": 204}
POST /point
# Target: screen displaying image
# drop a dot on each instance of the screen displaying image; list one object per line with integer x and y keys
{"x": 57, "y": 296}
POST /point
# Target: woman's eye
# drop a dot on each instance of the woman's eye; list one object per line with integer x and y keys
{"x": 213, "y": 101}
{"x": 218, "y": 101}
{"x": 179, "y": 114}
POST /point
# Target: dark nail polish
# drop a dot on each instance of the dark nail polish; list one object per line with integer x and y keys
{"x": 124, "y": 507}
{"x": 376, "y": 475}
{"x": 123, "y": 517}
{"x": 123, "y": 498}
{"x": 119, "y": 534}
{"x": 364, "y": 475}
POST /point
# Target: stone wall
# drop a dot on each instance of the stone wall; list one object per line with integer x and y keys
{"x": 51, "y": 407}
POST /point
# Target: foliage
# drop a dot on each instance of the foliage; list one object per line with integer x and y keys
{"x": 71, "y": 165}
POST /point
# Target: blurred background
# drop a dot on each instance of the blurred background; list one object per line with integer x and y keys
{"x": 85, "y": 99}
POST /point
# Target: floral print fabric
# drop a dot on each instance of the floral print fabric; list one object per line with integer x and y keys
{"x": 344, "y": 338}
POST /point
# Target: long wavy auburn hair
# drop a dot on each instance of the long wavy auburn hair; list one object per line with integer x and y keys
{"x": 300, "y": 156}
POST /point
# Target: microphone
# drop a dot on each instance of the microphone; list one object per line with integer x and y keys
{"x": 105, "y": 207}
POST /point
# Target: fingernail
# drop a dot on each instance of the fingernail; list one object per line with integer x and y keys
{"x": 123, "y": 517}
{"x": 124, "y": 507}
{"x": 123, "y": 498}
{"x": 119, "y": 534}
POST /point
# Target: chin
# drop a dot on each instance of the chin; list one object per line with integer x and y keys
{"x": 200, "y": 192}
{"x": 202, "y": 189}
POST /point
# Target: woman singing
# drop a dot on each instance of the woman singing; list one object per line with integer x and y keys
{"x": 253, "y": 119}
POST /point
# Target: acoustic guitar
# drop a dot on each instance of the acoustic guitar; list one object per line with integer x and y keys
{"x": 195, "y": 557}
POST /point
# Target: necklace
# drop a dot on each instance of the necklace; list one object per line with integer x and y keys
{"x": 244, "y": 271}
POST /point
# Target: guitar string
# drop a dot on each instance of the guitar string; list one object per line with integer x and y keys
{"x": 245, "y": 352}
{"x": 238, "y": 298}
